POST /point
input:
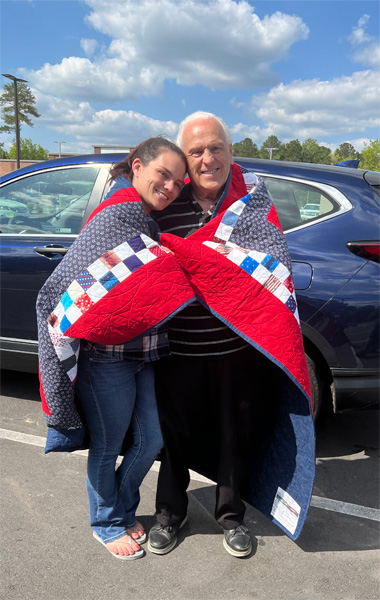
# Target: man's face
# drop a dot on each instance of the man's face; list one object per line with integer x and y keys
{"x": 209, "y": 157}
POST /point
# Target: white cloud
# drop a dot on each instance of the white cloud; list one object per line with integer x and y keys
{"x": 119, "y": 127}
{"x": 89, "y": 126}
{"x": 313, "y": 108}
{"x": 358, "y": 34}
{"x": 221, "y": 44}
{"x": 369, "y": 55}
{"x": 257, "y": 134}
{"x": 88, "y": 46}
{"x": 346, "y": 105}
{"x": 237, "y": 104}
{"x": 357, "y": 143}
{"x": 367, "y": 48}
{"x": 216, "y": 43}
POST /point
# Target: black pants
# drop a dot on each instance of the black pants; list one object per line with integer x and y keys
{"x": 207, "y": 410}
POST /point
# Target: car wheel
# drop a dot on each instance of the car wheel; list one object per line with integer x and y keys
{"x": 316, "y": 386}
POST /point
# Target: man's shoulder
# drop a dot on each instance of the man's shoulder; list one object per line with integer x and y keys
{"x": 249, "y": 176}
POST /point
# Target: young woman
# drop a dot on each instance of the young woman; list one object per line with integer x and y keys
{"x": 114, "y": 385}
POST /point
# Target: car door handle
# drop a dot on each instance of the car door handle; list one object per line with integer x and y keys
{"x": 51, "y": 251}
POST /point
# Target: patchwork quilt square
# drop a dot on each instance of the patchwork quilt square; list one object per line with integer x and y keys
{"x": 133, "y": 263}
{"x": 64, "y": 324}
{"x": 110, "y": 259}
{"x": 98, "y": 269}
{"x": 84, "y": 302}
{"x": 109, "y": 281}
{"x": 66, "y": 300}
{"x": 85, "y": 279}
{"x": 249, "y": 265}
{"x": 136, "y": 244}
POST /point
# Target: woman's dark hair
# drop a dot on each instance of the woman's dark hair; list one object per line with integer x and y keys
{"x": 146, "y": 152}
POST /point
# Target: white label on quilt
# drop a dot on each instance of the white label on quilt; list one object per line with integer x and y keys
{"x": 286, "y": 510}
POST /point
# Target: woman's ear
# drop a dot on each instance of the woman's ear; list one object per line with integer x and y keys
{"x": 136, "y": 167}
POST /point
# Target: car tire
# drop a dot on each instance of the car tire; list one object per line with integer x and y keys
{"x": 316, "y": 386}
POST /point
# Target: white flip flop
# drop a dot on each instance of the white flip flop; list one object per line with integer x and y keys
{"x": 137, "y": 554}
{"x": 139, "y": 540}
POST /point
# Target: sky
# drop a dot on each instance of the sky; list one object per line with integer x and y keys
{"x": 114, "y": 72}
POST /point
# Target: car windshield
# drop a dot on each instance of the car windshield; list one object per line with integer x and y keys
{"x": 47, "y": 202}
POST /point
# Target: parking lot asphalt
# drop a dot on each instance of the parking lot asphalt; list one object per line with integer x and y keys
{"x": 48, "y": 552}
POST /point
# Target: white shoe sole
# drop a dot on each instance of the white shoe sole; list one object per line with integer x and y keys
{"x": 235, "y": 552}
{"x": 141, "y": 539}
{"x": 138, "y": 554}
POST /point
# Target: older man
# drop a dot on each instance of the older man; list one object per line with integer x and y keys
{"x": 205, "y": 388}
{"x": 234, "y": 398}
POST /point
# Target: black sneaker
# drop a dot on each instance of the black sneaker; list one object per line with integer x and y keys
{"x": 237, "y": 541}
{"x": 163, "y": 538}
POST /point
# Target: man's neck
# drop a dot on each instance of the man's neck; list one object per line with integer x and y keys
{"x": 206, "y": 202}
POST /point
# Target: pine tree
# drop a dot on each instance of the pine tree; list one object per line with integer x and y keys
{"x": 26, "y": 106}
{"x": 272, "y": 148}
{"x": 245, "y": 148}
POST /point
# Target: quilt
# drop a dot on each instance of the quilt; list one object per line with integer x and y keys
{"x": 240, "y": 269}
{"x": 114, "y": 284}
{"x": 117, "y": 282}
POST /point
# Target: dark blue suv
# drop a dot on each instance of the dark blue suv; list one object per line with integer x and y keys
{"x": 331, "y": 219}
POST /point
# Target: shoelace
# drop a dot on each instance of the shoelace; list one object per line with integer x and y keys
{"x": 240, "y": 529}
{"x": 168, "y": 528}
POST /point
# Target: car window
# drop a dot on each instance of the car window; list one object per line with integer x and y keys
{"x": 53, "y": 201}
{"x": 297, "y": 203}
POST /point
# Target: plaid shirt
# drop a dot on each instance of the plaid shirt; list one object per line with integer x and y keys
{"x": 148, "y": 347}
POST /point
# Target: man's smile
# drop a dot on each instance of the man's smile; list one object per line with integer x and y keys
{"x": 210, "y": 172}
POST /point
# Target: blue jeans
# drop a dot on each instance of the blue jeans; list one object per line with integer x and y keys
{"x": 114, "y": 395}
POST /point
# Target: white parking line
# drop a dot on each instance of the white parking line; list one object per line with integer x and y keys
{"x": 25, "y": 438}
{"x": 346, "y": 508}
{"x": 354, "y": 510}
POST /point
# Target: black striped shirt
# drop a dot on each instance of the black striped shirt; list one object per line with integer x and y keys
{"x": 195, "y": 331}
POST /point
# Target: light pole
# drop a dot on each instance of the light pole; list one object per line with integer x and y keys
{"x": 17, "y": 124}
{"x": 59, "y": 147}
{"x": 270, "y": 150}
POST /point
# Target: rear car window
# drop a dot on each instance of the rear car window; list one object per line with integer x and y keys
{"x": 48, "y": 202}
{"x": 298, "y": 203}
{"x": 373, "y": 179}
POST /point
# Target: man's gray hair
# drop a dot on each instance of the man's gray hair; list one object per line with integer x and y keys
{"x": 202, "y": 115}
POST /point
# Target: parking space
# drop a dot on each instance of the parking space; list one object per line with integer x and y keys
{"x": 48, "y": 550}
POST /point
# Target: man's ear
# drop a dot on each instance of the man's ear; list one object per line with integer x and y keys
{"x": 231, "y": 154}
{"x": 136, "y": 167}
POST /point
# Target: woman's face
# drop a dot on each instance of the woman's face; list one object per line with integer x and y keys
{"x": 158, "y": 182}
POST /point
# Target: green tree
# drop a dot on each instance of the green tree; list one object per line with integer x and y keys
{"x": 345, "y": 151}
{"x": 3, "y": 154}
{"x": 26, "y": 106}
{"x": 371, "y": 156}
{"x": 29, "y": 150}
{"x": 245, "y": 148}
{"x": 312, "y": 152}
{"x": 272, "y": 142}
{"x": 293, "y": 151}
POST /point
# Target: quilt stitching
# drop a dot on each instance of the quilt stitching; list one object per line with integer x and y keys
{"x": 101, "y": 277}
{"x": 263, "y": 268}
{"x": 90, "y": 286}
